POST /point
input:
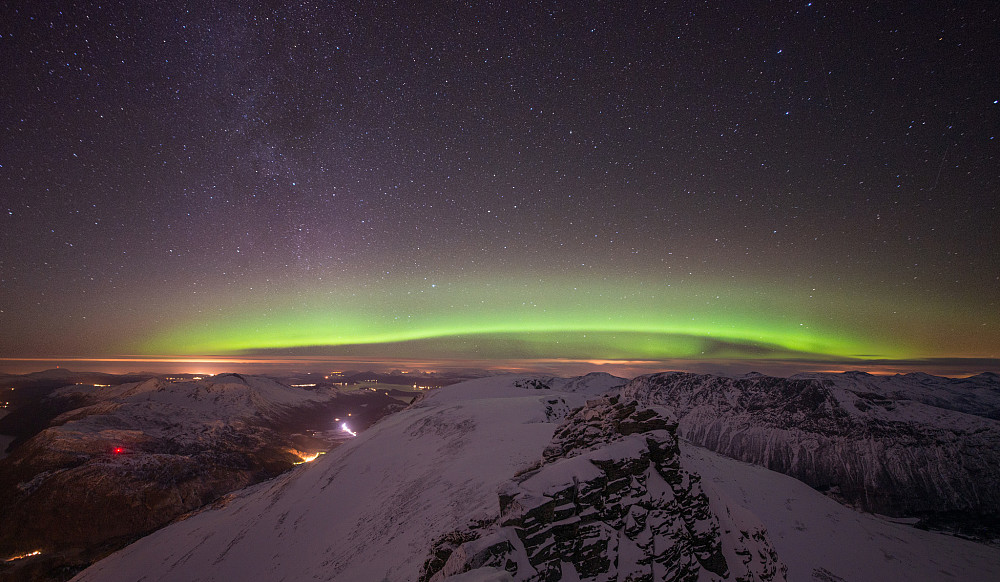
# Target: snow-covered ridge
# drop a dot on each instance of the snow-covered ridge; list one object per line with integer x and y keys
{"x": 479, "y": 453}
{"x": 369, "y": 509}
{"x": 608, "y": 501}
{"x": 901, "y": 445}
{"x": 593, "y": 383}
{"x": 976, "y": 395}
{"x": 158, "y": 404}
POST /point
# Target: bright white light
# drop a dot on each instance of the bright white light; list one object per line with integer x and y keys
{"x": 348, "y": 430}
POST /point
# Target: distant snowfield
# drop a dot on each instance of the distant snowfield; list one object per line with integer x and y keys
{"x": 819, "y": 539}
{"x": 369, "y": 510}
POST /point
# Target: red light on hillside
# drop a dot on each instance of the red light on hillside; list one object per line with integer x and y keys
{"x": 118, "y": 450}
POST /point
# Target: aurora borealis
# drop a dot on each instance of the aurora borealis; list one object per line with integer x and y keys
{"x": 624, "y": 319}
{"x": 783, "y": 184}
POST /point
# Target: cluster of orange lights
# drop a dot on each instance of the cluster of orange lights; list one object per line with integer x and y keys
{"x": 23, "y": 556}
{"x": 306, "y": 457}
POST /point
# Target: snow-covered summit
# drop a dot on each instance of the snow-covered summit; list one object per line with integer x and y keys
{"x": 609, "y": 500}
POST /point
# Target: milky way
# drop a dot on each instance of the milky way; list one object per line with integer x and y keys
{"x": 663, "y": 181}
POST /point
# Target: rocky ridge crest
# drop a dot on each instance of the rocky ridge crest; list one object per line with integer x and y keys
{"x": 609, "y": 500}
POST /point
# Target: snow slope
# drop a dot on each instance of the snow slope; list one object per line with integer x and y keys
{"x": 371, "y": 509}
{"x": 820, "y": 539}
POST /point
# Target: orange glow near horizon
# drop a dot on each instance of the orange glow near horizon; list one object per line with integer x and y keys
{"x": 211, "y": 365}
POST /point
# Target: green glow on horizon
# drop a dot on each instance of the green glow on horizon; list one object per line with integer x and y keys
{"x": 541, "y": 318}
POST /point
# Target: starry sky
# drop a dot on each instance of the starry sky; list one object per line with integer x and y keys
{"x": 677, "y": 184}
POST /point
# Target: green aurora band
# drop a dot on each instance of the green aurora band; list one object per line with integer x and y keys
{"x": 504, "y": 317}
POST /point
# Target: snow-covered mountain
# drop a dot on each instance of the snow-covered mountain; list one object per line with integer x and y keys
{"x": 185, "y": 412}
{"x": 511, "y": 478}
{"x": 821, "y": 540}
{"x": 135, "y": 456}
{"x": 908, "y": 445}
{"x": 609, "y": 500}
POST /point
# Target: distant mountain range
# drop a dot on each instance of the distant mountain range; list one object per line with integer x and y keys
{"x": 910, "y": 445}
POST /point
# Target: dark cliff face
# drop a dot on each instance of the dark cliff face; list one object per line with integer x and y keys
{"x": 74, "y": 507}
{"x": 609, "y": 500}
{"x": 903, "y": 446}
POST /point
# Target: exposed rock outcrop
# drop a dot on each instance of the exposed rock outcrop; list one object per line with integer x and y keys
{"x": 609, "y": 500}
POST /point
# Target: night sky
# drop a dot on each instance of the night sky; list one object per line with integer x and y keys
{"x": 673, "y": 183}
